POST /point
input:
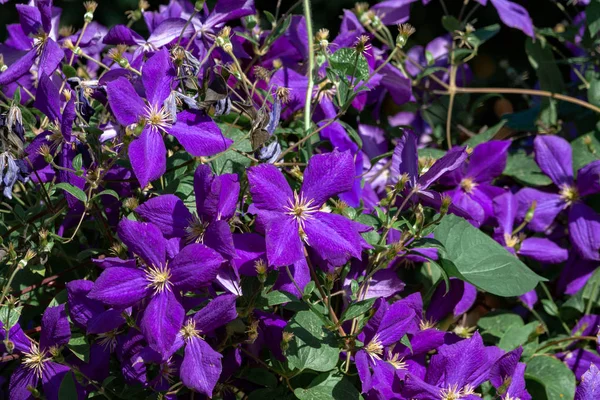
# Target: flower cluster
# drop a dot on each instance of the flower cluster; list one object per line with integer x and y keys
{"x": 240, "y": 206}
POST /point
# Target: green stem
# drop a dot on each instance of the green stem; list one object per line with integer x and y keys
{"x": 549, "y": 295}
{"x": 311, "y": 64}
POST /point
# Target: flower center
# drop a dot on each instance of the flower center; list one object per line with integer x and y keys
{"x": 374, "y": 348}
{"x": 569, "y": 194}
{"x": 396, "y": 361}
{"x": 39, "y": 40}
{"x": 452, "y": 392}
{"x": 109, "y": 339}
{"x": 189, "y": 330}
{"x": 464, "y": 331}
{"x": 301, "y": 209}
{"x": 426, "y": 324}
{"x": 158, "y": 278}
{"x": 158, "y": 118}
{"x": 195, "y": 230}
{"x": 467, "y": 184}
{"x": 35, "y": 359}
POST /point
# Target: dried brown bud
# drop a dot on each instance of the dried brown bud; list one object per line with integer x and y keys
{"x": 283, "y": 94}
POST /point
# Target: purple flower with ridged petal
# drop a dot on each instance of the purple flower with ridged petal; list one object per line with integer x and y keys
{"x": 454, "y": 372}
{"x": 473, "y": 181}
{"x": 385, "y": 328}
{"x": 291, "y": 219}
{"x": 554, "y": 157}
{"x": 589, "y": 387}
{"x": 197, "y": 132}
{"x": 513, "y": 15}
{"x": 541, "y": 249}
{"x": 406, "y": 161}
{"x": 509, "y": 374}
{"x": 456, "y": 301}
{"x": 36, "y": 30}
{"x": 157, "y": 278}
{"x": 201, "y": 366}
{"x": 36, "y": 359}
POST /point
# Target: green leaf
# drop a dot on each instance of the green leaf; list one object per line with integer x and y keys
{"x": 498, "y": 322}
{"x": 347, "y": 62}
{"x": 231, "y": 162}
{"x": 309, "y": 288}
{"x": 270, "y": 17}
{"x": 485, "y": 136}
{"x": 480, "y": 260}
{"x": 107, "y": 192}
{"x": 550, "y": 307}
{"x": 9, "y": 314}
{"x": 556, "y": 379}
{"x": 280, "y": 29}
{"x": 592, "y": 13}
{"x": 524, "y": 169}
{"x": 406, "y": 341}
{"x": 261, "y": 377}
{"x": 67, "y": 389}
{"x": 313, "y": 346}
{"x": 276, "y": 297}
{"x": 79, "y": 347}
{"x": 357, "y": 309}
{"x": 450, "y": 23}
{"x": 77, "y": 162}
{"x": 329, "y": 386}
{"x": 586, "y": 149}
{"x": 353, "y": 134}
{"x": 69, "y": 71}
{"x": 75, "y": 191}
{"x": 594, "y": 92}
{"x": 432, "y": 153}
{"x": 516, "y": 336}
{"x": 480, "y": 36}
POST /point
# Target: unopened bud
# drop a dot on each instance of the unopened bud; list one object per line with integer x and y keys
{"x": 401, "y": 184}
{"x": 446, "y": 202}
{"x": 283, "y": 94}
{"x": 530, "y": 212}
{"x": 251, "y": 21}
{"x": 3, "y": 67}
{"x": 9, "y": 345}
{"x": 199, "y": 5}
{"x": 44, "y": 151}
{"x": 261, "y": 270}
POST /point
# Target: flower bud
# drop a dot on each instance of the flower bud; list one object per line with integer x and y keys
{"x": 90, "y": 7}
{"x": 261, "y": 270}
{"x": 3, "y": 67}
{"x": 446, "y": 202}
{"x": 530, "y": 212}
{"x": 9, "y": 345}
{"x": 223, "y": 39}
{"x": 405, "y": 31}
{"x": 285, "y": 340}
{"x": 199, "y": 5}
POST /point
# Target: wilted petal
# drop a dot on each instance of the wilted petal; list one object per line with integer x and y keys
{"x": 554, "y": 156}
{"x": 55, "y": 328}
{"x": 120, "y": 287}
{"x": 125, "y": 103}
{"x": 143, "y": 239}
{"x": 584, "y": 231}
{"x": 269, "y": 189}
{"x": 201, "y": 366}
{"x": 327, "y": 175}
{"x": 168, "y": 213}
{"x": 162, "y": 321}
{"x": 157, "y": 76}
{"x": 148, "y": 156}
{"x": 199, "y": 134}
{"x": 215, "y": 314}
{"x": 543, "y": 250}
{"x": 195, "y": 266}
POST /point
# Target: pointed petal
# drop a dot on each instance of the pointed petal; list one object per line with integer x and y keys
{"x": 105, "y": 321}
{"x": 584, "y": 231}
{"x": 543, "y": 250}
{"x": 19, "y": 68}
{"x": 398, "y": 85}
{"x": 452, "y": 160}
{"x": 505, "y": 367}
{"x": 515, "y": 16}
{"x": 361, "y": 359}
{"x": 55, "y": 328}
{"x": 195, "y": 266}
{"x": 47, "y": 99}
{"x": 284, "y": 246}
{"x": 20, "y": 380}
{"x": 109, "y": 262}
{"x": 216, "y": 195}
{"x": 554, "y": 156}
{"x": 162, "y": 321}
{"x": 199, "y": 134}
{"x": 269, "y": 189}
{"x": 405, "y": 159}
{"x": 218, "y": 237}
{"x": 217, "y": 313}
{"x": 588, "y": 179}
{"x": 125, "y": 103}
{"x": 488, "y": 160}
{"x": 157, "y": 77}
{"x": 52, "y": 378}
{"x": 120, "y": 287}
{"x": 327, "y": 175}
{"x": 51, "y": 56}
{"x": 82, "y": 308}
{"x": 121, "y": 34}
{"x": 301, "y": 274}
{"x": 144, "y": 240}
{"x": 168, "y": 213}
{"x": 148, "y": 156}
{"x": 249, "y": 247}
{"x": 548, "y": 205}
{"x": 169, "y": 30}
{"x": 30, "y": 18}
{"x": 201, "y": 367}
{"x": 505, "y": 208}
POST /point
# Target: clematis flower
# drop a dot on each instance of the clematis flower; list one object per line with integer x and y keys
{"x": 201, "y": 366}
{"x": 554, "y": 157}
{"x": 36, "y": 358}
{"x": 589, "y": 387}
{"x": 385, "y": 328}
{"x": 196, "y": 132}
{"x": 293, "y": 218}
{"x": 37, "y": 37}
{"x": 406, "y": 161}
{"x": 473, "y": 181}
{"x": 513, "y": 15}
{"x": 456, "y": 301}
{"x": 454, "y": 372}
{"x": 157, "y": 279}
{"x": 508, "y": 376}
{"x": 541, "y": 249}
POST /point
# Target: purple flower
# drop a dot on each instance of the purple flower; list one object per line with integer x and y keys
{"x": 406, "y": 161}
{"x": 508, "y": 374}
{"x": 36, "y": 359}
{"x": 157, "y": 278}
{"x": 541, "y": 249}
{"x": 513, "y": 15}
{"x": 554, "y": 156}
{"x": 456, "y": 301}
{"x": 293, "y": 218}
{"x": 474, "y": 190}
{"x": 456, "y": 371}
{"x": 589, "y": 387}
{"x": 196, "y": 132}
